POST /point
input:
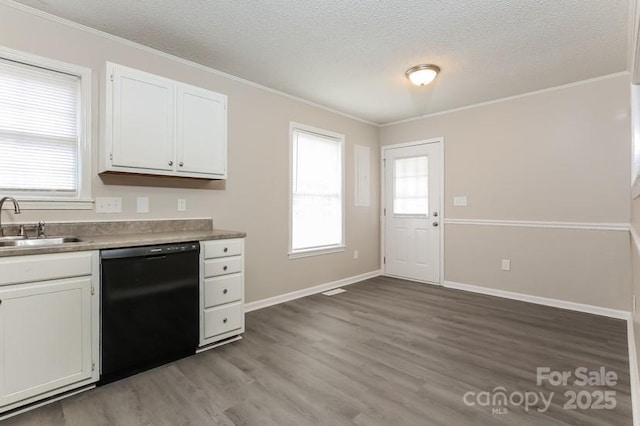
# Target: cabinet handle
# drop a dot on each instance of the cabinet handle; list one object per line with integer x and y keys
{"x": 224, "y": 268}
{"x": 170, "y": 163}
{"x": 225, "y": 249}
{"x": 225, "y": 291}
{"x": 224, "y": 320}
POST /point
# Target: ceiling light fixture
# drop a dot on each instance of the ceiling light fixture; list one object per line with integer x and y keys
{"x": 421, "y": 75}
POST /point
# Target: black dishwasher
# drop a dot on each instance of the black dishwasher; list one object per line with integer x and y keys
{"x": 149, "y": 307}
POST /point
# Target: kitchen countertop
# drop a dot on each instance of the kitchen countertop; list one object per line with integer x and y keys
{"x": 137, "y": 234}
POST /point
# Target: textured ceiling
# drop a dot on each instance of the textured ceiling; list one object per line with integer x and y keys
{"x": 351, "y": 55}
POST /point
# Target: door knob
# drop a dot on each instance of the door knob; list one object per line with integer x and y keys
{"x": 225, "y": 291}
{"x": 181, "y": 164}
{"x": 435, "y": 223}
{"x": 435, "y": 214}
{"x": 170, "y": 163}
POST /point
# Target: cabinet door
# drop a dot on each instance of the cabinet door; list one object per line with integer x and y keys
{"x": 142, "y": 120}
{"x": 201, "y": 131}
{"x": 45, "y": 337}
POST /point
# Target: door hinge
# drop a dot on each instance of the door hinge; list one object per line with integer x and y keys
{"x": 93, "y": 290}
{"x": 384, "y": 211}
{"x": 384, "y": 260}
{"x": 111, "y": 156}
{"x": 93, "y": 366}
{"x": 111, "y": 77}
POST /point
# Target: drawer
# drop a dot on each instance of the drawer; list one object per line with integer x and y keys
{"x": 222, "y": 266}
{"x": 222, "y": 320}
{"x": 223, "y": 248}
{"x": 221, "y": 290}
{"x": 40, "y": 267}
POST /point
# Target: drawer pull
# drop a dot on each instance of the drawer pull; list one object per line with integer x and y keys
{"x": 225, "y": 291}
{"x": 226, "y": 249}
{"x": 224, "y": 268}
{"x": 224, "y": 320}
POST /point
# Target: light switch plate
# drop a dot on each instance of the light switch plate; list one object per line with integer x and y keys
{"x": 460, "y": 201}
{"x": 182, "y": 205}
{"x": 108, "y": 205}
{"x": 506, "y": 264}
{"x": 142, "y": 204}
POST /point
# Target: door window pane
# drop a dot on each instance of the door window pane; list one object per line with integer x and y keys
{"x": 411, "y": 186}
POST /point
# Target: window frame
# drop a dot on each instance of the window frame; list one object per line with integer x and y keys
{"x": 82, "y": 200}
{"x": 316, "y": 251}
{"x": 635, "y": 140}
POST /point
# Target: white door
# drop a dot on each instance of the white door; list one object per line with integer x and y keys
{"x": 45, "y": 337}
{"x": 413, "y": 179}
{"x": 201, "y": 133}
{"x": 143, "y": 120}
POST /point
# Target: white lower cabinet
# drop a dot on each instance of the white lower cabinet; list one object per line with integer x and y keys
{"x": 221, "y": 290}
{"x": 48, "y": 328}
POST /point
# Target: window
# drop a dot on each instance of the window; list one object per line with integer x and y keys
{"x": 411, "y": 186}
{"x": 44, "y": 148}
{"x": 317, "y": 195}
{"x": 635, "y": 137}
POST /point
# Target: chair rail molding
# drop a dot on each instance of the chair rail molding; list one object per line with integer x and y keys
{"x": 595, "y": 226}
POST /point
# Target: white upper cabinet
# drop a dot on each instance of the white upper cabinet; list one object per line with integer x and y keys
{"x": 154, "y": 125}
{"x": 142, "y": 120}
{"x": 201, "y": 135}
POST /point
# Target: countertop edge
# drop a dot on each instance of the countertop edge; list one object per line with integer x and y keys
{"x": 89, "y": 243}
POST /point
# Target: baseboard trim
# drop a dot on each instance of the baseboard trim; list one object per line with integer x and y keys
{"x": 556, "y": 303}
{"x": 633, "y": 373}
{"x": 276, "y": 300}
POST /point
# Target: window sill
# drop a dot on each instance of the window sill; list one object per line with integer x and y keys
{"x": 316, "y": 252}
{"x": 52, "y": 205}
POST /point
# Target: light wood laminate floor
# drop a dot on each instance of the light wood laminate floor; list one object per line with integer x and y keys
{"x": 386, "y": 352}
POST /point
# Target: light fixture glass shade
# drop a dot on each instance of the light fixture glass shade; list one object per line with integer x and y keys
{"x": 421, "y": 75}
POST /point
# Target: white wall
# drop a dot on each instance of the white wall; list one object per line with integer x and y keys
{"x": 556, "y": 156}
{"x": 254, "y": 198}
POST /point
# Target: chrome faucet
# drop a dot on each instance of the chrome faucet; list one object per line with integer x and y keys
{"x": 40, "y": 230}
{"x": 16, "y": 209}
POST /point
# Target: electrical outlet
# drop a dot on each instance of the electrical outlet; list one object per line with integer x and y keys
{"x": 460, "y": 201}
{"x": 142, "y": 204}
{"x": 355, "y": 254}
{"x": 108, "y": 205}
{"x": 506, "y": 264}
{"x": 182, "y": 205}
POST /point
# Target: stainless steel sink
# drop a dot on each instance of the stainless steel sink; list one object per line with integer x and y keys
{"x": 36, "y": 242}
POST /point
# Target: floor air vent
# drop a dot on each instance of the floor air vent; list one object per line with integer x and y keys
{"x": 334, "y": 292}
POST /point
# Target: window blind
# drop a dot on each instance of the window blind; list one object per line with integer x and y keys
{"x": 317, "y": 191}
{"x": 411, "y": 186}
{"x": 39, "y": 116}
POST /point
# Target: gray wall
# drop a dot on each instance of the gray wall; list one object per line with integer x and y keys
{"x": 256, "y": 197}
{"x": 556, "y": 156}
{"x": 561, "y": 155}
